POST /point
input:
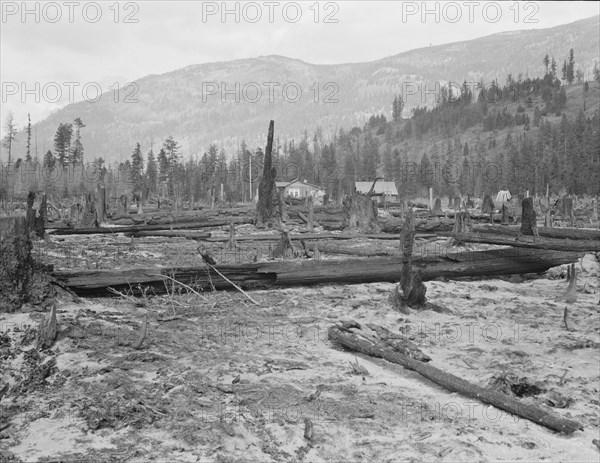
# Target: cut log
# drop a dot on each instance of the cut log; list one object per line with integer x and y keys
{"x": 142, "y": 228}
{"x": 307, "y": 272}
{"x": 351, "y": 338}
{"x": 531, "y": 242}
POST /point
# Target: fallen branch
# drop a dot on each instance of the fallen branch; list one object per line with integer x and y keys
{"x": 233, "y": 284}
{"x": 352, "y": 338}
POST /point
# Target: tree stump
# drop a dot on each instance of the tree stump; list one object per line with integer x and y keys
{"x": 360, "y": 214}
{"x": 437, "y": 207}
{"x": 123, "y": 206}
{"x": 284, "y": 247}
{"x": 528, "y": 218}
{"x": 456, "y": 204}
{"x": 488, "y": 205}
{"x": 410, "y": 293}
{"x": 504, "y": 215}
{"x": 16, "y": 263}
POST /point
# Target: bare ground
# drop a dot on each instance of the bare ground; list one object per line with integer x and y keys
{"x": 225, "y": 380}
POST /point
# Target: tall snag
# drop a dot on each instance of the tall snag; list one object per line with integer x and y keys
{"x": 267, "y": 191}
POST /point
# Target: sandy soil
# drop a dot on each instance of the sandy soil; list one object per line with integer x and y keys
{"x": 224, "y": 380}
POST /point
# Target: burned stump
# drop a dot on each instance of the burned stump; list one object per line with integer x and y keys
{"x": 528, "y": 218}
{"x": 16, "y": 263}
{"x": 360, "y": 214}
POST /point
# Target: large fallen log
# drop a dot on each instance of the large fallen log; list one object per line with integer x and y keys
{"x": 309, "y": 272}
{"x": 531, "y": 242}
{"x": 317, "y": 236}
{"x": 353, "y": 339}
{"x": 142, "y": 228}
{"x": 193, "y": 235}
{"x": 168, "y": 217}
{"x": 558, "y": 233}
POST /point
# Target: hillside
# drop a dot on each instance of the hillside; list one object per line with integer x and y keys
{"x": 172, "y": 103}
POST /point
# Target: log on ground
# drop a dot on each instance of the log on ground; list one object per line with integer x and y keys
{"x": 531, "y": 242}
{"x": 353, "y": 340}
{"x": 309, "y": 272}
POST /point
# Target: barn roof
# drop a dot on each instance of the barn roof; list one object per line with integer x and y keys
{"x": 388, "y": 188}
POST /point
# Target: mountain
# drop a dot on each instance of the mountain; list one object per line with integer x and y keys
{"x": 174, "y": 104}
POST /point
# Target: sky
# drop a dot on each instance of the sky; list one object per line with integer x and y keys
{"x": 51, "y": 51}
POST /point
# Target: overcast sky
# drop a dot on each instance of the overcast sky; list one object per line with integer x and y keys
{"x": 80, "y": 42}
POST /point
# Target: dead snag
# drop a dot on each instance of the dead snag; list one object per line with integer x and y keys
{"x": 267, "y": 190}
{"x": 411, "y": 290}
{"x": 282, "y": 206}
{"x": 528, "y": 218}
{"x": 352, "y": 338}
{"x": 36, "y": 218}
{"x": 360, "y": 214}
{"x": 571, "y": 294}
{"x": 311, "y": 214}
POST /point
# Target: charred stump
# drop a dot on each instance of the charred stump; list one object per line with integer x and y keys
{"x": 360, "y": 214}
{"x": 528, "y": 218}
{"x": 267, "y": 190}
{"x": 437, "y": 207}
{"x": 100, "y": 204}
{"x": 504, "y": 215}
{"x": 488, "y": 205}
{"x": 411, "y": 290}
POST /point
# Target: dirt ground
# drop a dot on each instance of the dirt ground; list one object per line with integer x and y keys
{"x": 221, "y": 379}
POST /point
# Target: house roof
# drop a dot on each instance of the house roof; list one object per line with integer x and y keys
{"x": 287, "y": 184}
{"x": 388, "y": 188}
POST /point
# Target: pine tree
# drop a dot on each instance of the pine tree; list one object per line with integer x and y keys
{"x": 11, "y": 129}
{"x": 570, "y": 74}
{"x": 553, "y": 68}
{"x": 137, "y": 168}
{"x": 28, "y": 152}
{"x": 49, "y": 160}
{"x": 546, "y": 62}
{"x": 151, "y": 171}
{"x": 62, "y": 143}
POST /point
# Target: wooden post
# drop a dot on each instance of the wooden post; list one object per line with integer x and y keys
{"x": 430, "y": 199}
{"x": 311, "y": 213}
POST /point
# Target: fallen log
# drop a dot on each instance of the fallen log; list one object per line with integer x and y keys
{"x": 368, "y": 251}
{"x": 531, "y": 242}
{"x": 317, "y": 236}
{"x": 309, "y": 272}
{"x": 193, "y": 235}
{"x": 353, "y": 339}
{"x": 142, "y": 228}
{"x": 559, "y": 233}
